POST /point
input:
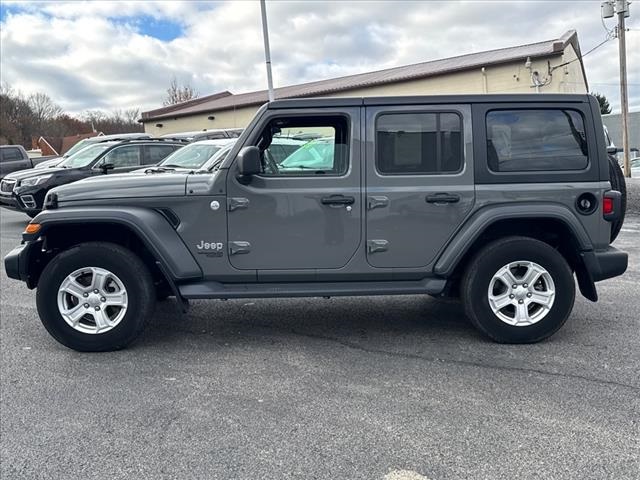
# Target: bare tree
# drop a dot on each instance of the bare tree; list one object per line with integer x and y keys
{"x": 43, "y": 107}
{"x": 179, "y": 93}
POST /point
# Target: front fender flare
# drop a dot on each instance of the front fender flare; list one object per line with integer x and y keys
{"x": 151, "y": 227}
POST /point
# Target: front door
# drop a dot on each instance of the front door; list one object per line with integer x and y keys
{"x": 304, "y": 211}
{"x": 419, "y": 181}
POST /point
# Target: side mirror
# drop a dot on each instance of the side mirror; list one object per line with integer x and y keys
{"x": 105, "y": 167}
{"x": 249, "y": 162}
{"x": 612, "y": 150}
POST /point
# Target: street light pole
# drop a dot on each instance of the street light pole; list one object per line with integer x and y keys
{"x": 267, "y": 50}
{"x": 622, "y": 7}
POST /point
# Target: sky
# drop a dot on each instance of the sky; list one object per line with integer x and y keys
{"x": 119, "y": 55}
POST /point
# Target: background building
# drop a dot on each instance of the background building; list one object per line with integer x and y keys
{"x": 613, "y": 122}
{"x": 553, "y": 66}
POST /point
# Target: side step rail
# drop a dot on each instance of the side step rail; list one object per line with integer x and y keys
{"x": 202, "y": 290}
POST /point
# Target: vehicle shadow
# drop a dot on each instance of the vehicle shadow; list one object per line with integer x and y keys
{"x": 342, "y": 320}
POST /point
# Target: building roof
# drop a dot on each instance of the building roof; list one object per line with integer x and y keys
{"x": 226, "y": 101}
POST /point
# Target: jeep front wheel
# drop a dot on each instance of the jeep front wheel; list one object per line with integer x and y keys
{"x": 95, "y": 297}
{"x": 518, "y": 290}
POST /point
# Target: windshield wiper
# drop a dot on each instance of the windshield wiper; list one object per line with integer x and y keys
{"x": 158, "y": 170}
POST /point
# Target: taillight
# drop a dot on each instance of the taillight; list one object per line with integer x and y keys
{"x": 607, "y": 206}
{"x": 611, "y": 205}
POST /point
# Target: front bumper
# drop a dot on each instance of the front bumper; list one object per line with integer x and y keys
{"x": 25, "y": 262}
{"x": 603, "y": 264}
{"x": 15, "y": 263}
{"x": 10, "y": 202}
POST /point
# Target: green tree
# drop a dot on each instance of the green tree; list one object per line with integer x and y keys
{"x": 605, "y": 108}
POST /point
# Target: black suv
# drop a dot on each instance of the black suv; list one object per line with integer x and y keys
{"x": 25, "y": 190}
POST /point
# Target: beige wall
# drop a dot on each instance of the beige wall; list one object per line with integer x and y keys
{"x": 507, "y": 78}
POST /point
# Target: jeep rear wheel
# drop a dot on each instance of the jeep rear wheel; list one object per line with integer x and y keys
{"x": 95, "y": 297}
{"x": 518, "y": 290}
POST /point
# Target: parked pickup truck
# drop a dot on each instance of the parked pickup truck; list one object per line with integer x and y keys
{"x": 502, "y": 201}
{"x": 14, "y": 158}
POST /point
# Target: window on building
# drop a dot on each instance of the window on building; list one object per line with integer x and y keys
{"x": 419, "y": 143}
{"x": 535, "y": 140}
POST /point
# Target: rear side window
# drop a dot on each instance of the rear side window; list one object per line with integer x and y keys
{"x": 156, "y": 153}
{"x": 536, "y": 140}
{"x": 419, "y": 143}
{"x": 11, "y": 154}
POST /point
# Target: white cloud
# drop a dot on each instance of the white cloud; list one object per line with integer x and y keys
{"x": 96, "y": 55}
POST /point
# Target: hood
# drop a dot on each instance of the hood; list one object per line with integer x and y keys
{"x": 122, "y": 186}
{"x": 33, "y": 172}
{"x": 49, "y": 163}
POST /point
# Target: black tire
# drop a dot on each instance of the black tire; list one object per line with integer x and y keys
{"x": 616, "y": 178}
{"x": 126, "y": 266}
{"x": 488, "y": 261}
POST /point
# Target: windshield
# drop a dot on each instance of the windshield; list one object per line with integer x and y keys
{"x": 76, "y": 148}
{"x": 315, "y": 155}
{"x": 191, "y": 156}
{"x": 85, "y": 156}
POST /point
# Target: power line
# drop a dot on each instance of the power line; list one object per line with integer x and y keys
{"x": 583, "y": 55}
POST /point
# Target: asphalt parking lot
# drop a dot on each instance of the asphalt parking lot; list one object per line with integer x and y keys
{"x": 346, "y": 388}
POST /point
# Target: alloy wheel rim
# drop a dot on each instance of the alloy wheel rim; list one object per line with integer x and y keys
{"x": 521, "y": 293}
{"x": 92, "y": 300}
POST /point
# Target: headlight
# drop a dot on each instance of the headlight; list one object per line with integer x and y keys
{"x": 29, "y": 182}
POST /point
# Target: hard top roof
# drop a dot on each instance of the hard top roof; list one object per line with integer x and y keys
{"x": 428, "y": 100}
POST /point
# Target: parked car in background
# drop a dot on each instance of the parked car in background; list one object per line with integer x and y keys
{"x": 14, "y": 158}
{"x": 52, "y": 162}
{"x": 212, "y": 134}
{"x": 25, "y": 190}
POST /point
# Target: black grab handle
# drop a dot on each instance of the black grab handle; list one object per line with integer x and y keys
{"x": 443, "y": 198}
{"x": 338, "y": 200}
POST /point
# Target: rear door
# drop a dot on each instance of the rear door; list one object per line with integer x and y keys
{"x": 419, "y": 181}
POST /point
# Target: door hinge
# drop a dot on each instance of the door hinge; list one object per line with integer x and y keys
{"x": 377, "y": 202}
{"x": 374, "y": 246}
{"x": 239, "y": 248}
{"x": 236, "y": 203}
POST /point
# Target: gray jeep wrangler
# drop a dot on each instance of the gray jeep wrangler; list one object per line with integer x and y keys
{"x": 497, "y": 199}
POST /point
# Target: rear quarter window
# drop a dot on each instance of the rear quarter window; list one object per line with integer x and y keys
{"x": 10, "y": 154}
{"x": 530, "y": 140}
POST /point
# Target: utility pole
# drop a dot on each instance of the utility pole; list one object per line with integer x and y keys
{"x": 267, "y": 50}
{"x": 622, "y": 9}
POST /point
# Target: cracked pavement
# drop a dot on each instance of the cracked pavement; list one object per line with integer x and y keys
{"x": 345, "y": 388}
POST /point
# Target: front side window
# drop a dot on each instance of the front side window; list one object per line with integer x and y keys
{"x": 419, "y": 143}
{"x": 85, "y": 156}
{"x": 536, "y": 140}
{"x": 122, "y": 157}
{"x": 305, "y": 146}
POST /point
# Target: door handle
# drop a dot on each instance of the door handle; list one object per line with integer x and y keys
{"x": 338, "y": 200}
{"x": 443, "y": 198}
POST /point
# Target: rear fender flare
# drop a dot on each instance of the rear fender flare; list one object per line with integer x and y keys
{"x": 479, "y": 222}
